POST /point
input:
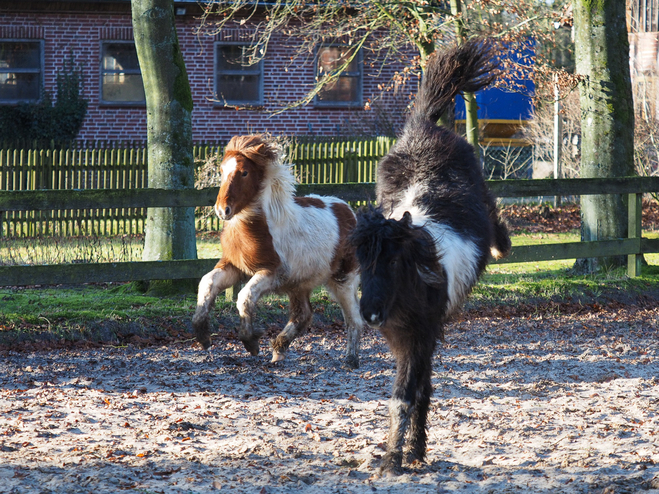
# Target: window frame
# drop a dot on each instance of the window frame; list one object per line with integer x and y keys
{"x": 257, "y": 69}
{"x": 102, "y": 72}
{"x": 39, "y": 71}
{"x": 359, "y": 75}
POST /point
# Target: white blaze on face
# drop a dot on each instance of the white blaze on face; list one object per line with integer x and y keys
{"x": 228, "y": 167}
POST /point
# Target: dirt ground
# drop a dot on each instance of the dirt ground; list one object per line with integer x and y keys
{"x": 541, "y": 401}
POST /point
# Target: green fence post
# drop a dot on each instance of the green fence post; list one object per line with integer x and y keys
{"x": 635, "y": 209}
{"x": 231, "y": 293}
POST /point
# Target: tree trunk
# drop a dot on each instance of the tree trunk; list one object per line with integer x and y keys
{"x": 170, "y": 232}
{"x": 607, "y": 118}
{"x": 471, "y": 121}
{"x": 471, "y": 106}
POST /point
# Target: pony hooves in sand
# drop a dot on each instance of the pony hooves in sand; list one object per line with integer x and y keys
{"x": 352, "y": 362}
{"x": 251, "y": 345}
{"x": 390, "y": 466}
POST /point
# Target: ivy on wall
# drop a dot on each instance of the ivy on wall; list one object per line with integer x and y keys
{"x": 59, "y": 120}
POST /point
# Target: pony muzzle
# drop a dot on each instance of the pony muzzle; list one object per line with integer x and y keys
{"x": 374, "y": 319}
{"x": 223, "y": 214}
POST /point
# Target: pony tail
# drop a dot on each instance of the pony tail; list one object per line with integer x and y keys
{"x": 468, "y": 67}
{"x": 501, "y": 246}
{"x": 500, "y": 242}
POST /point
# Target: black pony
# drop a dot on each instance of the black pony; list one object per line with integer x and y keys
{"x": 431, "y": 237}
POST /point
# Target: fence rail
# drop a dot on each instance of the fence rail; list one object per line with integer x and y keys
{"x": 632, "y": 247}
{"x": 119, "y": 166}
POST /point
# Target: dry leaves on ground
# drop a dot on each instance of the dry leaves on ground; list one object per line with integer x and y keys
{"x": 542, "y": 402}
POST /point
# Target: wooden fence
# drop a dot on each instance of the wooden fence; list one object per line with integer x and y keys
{"x": 124, "y": 166}
{"x": 633, "y": 247}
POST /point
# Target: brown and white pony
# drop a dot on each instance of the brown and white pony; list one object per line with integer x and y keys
{"x": 282, "y": 243}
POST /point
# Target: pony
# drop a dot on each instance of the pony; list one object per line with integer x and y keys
{"x": 423, "y": 248}
{"x": 282, "y": 244}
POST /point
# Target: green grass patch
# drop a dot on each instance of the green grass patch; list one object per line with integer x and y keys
{"x": 90, "y": 249}
{"x": 119, "y": 312}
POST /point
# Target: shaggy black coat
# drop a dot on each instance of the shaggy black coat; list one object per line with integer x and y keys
{"x": 411, "y": 262}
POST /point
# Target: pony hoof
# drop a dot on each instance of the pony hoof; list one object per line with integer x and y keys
{"x": 278, "y": 356}
{"x": 391, "y": 465}
{"x": 352, "y": 362}
{"x": 390, "y": 471}
{"x": 252, "y": 346}
{"x": 414, "y": 459}
{"x": 205, "y": 344}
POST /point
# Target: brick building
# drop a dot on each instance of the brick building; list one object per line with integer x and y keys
{"x": 36, "y": 37}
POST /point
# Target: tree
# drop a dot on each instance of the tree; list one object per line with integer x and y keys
{"x": 471, "y": 106}
{"x": 409, "y": 31}
{"x": 607, "y": 118}
{"x": 170, "y": 232}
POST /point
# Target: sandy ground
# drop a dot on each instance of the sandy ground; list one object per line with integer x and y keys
{"x": 540, "y": 403}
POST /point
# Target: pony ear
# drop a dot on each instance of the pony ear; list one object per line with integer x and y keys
{"x": 406, "y": 220}
{"x": 427, "y": 266}
{"x": 430, "y": 278}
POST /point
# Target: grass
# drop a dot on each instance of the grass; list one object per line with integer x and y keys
{"x": 89, "y": 249}
{"x": 119, "y": 312}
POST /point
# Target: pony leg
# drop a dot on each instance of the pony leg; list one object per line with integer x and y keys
{"x": 345, "y": 294}
{"x": 261, "y": 282}
{"x": 418, "y": 433}
{"x": 401, "y": 407}
{"x": 299, "y": 320}
{"x": 210, "y": 286}
{"x": 399, "y": 418}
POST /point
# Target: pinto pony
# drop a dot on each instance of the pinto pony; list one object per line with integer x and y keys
{"x": 431, "y": 237}
{"x": 282, "y": 243}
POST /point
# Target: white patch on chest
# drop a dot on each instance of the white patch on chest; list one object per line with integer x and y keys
{"x": 305, "y": 239}
{"x": 457, "y": 254}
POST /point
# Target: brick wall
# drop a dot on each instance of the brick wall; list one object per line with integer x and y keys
{"x": 81, "y": 34}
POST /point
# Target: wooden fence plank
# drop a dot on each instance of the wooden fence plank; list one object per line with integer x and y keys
{"x": 572, "y": 250}
{"x": 634, "y": 230}
{"x": 573, "y": 186}
{"x": 101, "y": 165}
{"x": 142, "y": 198}
{"x": 154, "y": 270}
{"x": 145, "y": 198}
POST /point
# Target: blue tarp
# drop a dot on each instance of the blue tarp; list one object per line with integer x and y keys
{"x": 497, "y": 104}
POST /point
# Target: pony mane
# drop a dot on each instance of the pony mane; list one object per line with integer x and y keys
{"x": 278, "y": 188}
{"x": 255, "y": 148}
{"x": 373, "y": 229}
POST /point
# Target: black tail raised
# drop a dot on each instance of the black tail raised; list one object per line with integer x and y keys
{"x": 464, "y": 68}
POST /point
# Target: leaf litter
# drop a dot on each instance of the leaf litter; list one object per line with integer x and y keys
{"x": 531, "y": 402}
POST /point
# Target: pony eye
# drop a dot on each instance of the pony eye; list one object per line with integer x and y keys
{"x": 245, "y": 173}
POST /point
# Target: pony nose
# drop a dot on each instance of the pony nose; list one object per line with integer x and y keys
{"x": 223, "y": 214}
{"x": 373, "y": 318}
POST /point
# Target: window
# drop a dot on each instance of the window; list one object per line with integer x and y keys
{"x": 346, "y": 90}
{"x": 121, "y": 80}
{"x": 236, "y": 81}
{"x": 20, "y": 71}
